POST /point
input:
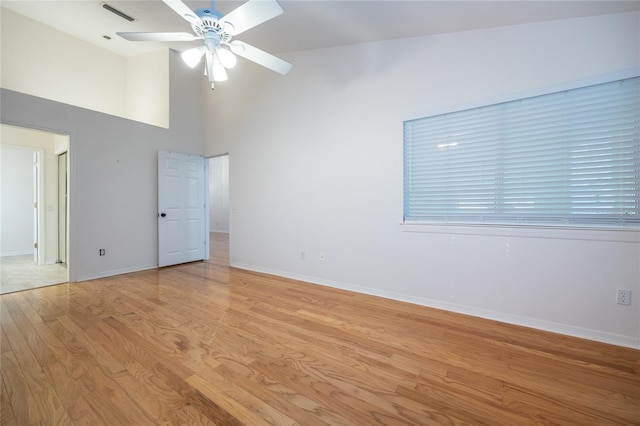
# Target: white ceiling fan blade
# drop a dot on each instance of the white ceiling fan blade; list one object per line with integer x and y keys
{"x": 250, "y": 14}
{"x": 260, "y": 57}
{"x": 158, "y": 36}
{"x": 183, "y": 10}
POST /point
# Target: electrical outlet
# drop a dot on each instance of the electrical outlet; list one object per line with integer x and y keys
{"x": 321, "y": 256}
{"x": 302, "y": 255}
{"x": 102, "y": 252}
{"x": 623, "y": 297}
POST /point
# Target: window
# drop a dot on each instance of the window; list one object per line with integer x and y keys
{"x": 569, "y": 158}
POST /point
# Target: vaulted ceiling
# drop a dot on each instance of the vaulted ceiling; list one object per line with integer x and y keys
{"x": 306, "y": 24}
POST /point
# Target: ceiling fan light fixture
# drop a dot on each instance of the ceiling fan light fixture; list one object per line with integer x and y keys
{"x": 218, "y": 70}
{"x": 227, "y": 58}
{"x": 219, "y": 73}
{"x": 192, "y": 56}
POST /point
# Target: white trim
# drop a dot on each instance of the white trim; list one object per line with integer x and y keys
{"x": 113, "y": 272}
{"x": 556, "y": 233}
{"x": 583, "y": 333}
{"x": 17, "y": 253}
{"x": 41, "y": 192}
{"x": 207, "y": 225}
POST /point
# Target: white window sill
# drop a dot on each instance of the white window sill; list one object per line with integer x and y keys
{"x": 564, "y": 233}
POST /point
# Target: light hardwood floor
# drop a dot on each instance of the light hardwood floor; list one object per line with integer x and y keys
{"x": 207, "y": 344}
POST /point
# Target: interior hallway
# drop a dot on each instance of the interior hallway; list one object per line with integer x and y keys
{"x": 19, "y": 273}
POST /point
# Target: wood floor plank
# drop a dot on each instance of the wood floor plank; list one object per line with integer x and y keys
{"x": 235, "y": 412}
{"x": 34, "y": 355}
{"x": 192, "y": 397}
{"x": 241, "y": 406}
{"x": 331, "y": 390}
{"x": 109, "y": 400}
{"x": 461, "y": 407}
{"x": 204, "y": 343}
{"x": 124, "y": 351}
{"x": 7, "y": 416}
{"x": 576, "y": 395}
{"x": 5, "y": 316}
{"x": 23, "y": 402}
{"x": 542, "y": 410}
{"x": 26, "y": 308}
{"x": 195, "y": 409}
{"x": 167, "y": 355}
{"x": 41, "y": 352}
{"x": 154, "y": 396}
{"x": 4, "y": 342}
{"x": 41, "y": 302}
{"x": 71, "y": 396}
{"x": 75, "y": 356}
{"x": 26, "y": 360}
{"x": 188, "y": 415}
{"x": 275, "y": 393}
{"x": 102, "y": 355}
{"x": 52, "y": 410}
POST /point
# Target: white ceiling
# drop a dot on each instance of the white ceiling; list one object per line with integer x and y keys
{"x": 307, "y": 24}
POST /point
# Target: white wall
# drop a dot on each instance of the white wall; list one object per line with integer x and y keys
{"x": 16, "y": 202}
{"x": 219, "y": 194}
{"x": 113, "y": 162}
{"x": 41, "y": 61}
{"x": 317, "y": 166}
{"x": 147, "y": 88}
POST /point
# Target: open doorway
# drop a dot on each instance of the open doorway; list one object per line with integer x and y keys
{"x": 219, "y": 211}
{"x": 31, "y": 213}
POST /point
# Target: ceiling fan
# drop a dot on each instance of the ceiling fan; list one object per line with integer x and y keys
{"x": 217, "y": 31}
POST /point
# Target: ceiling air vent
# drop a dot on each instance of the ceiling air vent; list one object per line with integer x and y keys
{"x": 117, "y": 12}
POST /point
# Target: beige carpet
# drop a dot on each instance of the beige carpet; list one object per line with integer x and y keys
{"x": 20, "y": 273}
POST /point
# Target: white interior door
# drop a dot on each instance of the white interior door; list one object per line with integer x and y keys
{"x": 182, "y": 204}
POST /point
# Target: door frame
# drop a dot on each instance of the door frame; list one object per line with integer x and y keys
{"x": 63, "y": 201}
{"x": 71, "y": 179}
{"x": 39, "y": 206}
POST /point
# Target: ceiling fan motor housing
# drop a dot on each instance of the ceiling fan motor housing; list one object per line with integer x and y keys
{"x": 211, "y": 24}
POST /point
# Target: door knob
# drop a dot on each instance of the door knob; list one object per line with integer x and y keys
{"x": 163, "y": 215}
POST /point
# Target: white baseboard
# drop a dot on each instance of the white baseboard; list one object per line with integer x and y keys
{"x": 105, "y": 274}
{"x": 17, "y": 253}
{"x": 583, "y": 333}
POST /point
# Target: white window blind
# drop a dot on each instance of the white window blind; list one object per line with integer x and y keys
{"x": 568, "y": 158}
